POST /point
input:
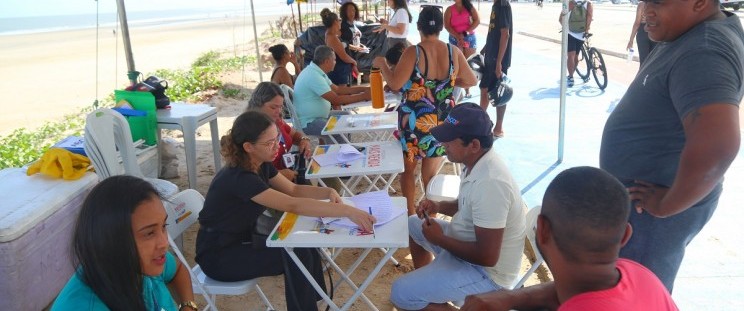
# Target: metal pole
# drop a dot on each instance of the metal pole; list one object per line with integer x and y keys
{"x": 564, "y": 70}
{"x": 132, "y": 73}
{"x": 255, "y": 37}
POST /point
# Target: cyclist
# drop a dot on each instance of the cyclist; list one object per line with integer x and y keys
{"x": 579, "y": 20}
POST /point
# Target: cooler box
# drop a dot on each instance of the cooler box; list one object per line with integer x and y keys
{"x": 37, "y": 218}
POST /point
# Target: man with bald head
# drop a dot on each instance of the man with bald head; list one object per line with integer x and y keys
{"x": 580, "y": 230}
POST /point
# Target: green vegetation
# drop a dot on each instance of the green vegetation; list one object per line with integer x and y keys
{"x": 23, "y": 146}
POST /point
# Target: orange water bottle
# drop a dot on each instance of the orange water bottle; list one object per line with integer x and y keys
{"x": 375, "y": 88}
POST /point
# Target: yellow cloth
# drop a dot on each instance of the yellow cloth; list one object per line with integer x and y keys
{"x": 60, "y": 163}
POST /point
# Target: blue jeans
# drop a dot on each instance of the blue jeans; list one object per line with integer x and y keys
{"x": 659, "y": 243}
{"x": 447, "y": 278}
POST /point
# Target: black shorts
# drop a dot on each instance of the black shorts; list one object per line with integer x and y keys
{"x": 574, "y": 44}
{"x": 489, "y": 80}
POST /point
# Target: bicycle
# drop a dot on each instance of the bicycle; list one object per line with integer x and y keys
{"x": 594, "y": 62}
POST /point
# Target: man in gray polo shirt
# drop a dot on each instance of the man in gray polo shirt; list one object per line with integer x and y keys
{"x": 676, "y": 131}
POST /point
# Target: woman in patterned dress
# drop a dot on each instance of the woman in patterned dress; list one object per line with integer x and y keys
{"x": 426, "y": 73}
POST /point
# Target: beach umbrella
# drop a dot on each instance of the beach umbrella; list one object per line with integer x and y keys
{"x": 132, "y": 73}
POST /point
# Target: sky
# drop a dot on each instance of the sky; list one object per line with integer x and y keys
{"x": 25, "y": 8}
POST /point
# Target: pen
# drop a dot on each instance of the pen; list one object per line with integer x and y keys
{"x": 373, "y": 225}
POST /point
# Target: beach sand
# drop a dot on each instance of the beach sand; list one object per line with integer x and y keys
{"x": 54, "y": 74}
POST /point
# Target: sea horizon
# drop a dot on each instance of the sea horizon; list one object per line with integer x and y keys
{"x": 109, "y": 21}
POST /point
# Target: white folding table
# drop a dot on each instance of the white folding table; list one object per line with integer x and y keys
{"x": 385, "y": 157}
{"x": 187, "y": 118}
{"x": 305, "y": 232}
{"x": 377, "y": 126}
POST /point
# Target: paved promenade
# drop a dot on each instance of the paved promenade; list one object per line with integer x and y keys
{"x": 712, "y": 274}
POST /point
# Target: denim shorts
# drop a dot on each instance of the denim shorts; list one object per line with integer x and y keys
{"x": 446, "y": 279}
{"x": 470, "y": 39}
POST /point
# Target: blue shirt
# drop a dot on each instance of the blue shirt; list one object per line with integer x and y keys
{"x": 311, "y": 84}
{"x": 76, "y": 295}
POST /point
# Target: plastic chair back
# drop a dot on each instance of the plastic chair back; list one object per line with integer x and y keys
{"x": 531, "y": 227}
{"x": 105, "y": 131}
{"x": 288, "y": 95}
{"x": 183, "y": 211}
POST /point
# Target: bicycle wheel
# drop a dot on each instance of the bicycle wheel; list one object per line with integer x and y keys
{"x": 582, "y": 65}
{"x": 600, "y": 70}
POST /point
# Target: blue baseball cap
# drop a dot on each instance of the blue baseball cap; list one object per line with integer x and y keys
{"x": 466, "y": 119}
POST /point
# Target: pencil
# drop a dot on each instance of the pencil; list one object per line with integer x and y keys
{"x": 373, "y": 225}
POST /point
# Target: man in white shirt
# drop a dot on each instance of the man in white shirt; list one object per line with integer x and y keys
{"x": 480, "y": 250}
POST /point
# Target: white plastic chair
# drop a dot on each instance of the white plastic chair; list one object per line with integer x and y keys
{"x": 424, "y": 188}
{"x": 531, "y": 227}
{"x": 107, "y": 136}
{"x": 443, "y": 187}
{"x": 288, "y": 105}
{"x": 183, "y": 211}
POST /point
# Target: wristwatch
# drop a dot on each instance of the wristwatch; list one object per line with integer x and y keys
{"x": 189, "y": 303}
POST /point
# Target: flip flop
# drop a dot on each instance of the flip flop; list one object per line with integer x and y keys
{"x": 495, "y": 137}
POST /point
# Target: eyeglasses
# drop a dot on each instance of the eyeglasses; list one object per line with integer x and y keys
{"x": 271, "y": 142}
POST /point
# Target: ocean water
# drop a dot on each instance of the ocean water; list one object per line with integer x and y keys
{"x": 109, "y": 21}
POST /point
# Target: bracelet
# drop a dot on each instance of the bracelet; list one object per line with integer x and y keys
{"x": 191, "y": 304}
{"x": 304, "y": 138}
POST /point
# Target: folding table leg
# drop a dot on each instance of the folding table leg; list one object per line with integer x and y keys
{"x": 310, "y": 278}
{"x": 357, "y": 290}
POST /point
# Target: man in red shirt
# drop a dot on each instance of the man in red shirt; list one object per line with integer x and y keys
{"x": 580, "y": 230}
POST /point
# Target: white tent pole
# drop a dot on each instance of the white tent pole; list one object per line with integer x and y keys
{"x": 564, "y": 70}
{"x": 132, "y": 74}
{"x": 255, "y": 37}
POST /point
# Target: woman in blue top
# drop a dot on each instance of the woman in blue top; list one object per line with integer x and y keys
{"x": 121, "y": 248}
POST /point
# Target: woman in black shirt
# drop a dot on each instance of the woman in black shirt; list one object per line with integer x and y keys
{"x": 238, "y": 196}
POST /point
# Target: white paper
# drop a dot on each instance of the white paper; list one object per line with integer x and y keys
{"x": 379, "y": 202}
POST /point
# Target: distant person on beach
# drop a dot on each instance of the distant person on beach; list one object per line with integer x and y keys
{"x": 315, "y": 94}
{"x": 676, "y": 131}
{"x": 497, "y": 59}
{"x": 345, "y": 64}
{"x": 460, "y": 20}
{"x": 121, "y": 248}
{"x": 230, "y": 244}
{"x": 638, "y": 31}
{"x": 480, "y": 250}
{"x": 397, "y": 26}
{"x": 427, "y": 73}
{"x": 282, "y": 56}
{"x": 268, "y": 97}
{"x": 582, "y": 225}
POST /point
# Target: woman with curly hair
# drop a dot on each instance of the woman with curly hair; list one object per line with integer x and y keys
{"x": 233, "y": 213}
{"x": 427, "y": 74}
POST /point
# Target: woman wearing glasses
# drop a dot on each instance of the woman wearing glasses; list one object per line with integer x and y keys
{"x": 229, "y": 246}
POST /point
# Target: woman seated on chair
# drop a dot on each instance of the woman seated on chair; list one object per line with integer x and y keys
{"x": 121, "y": 247}
{"x": 230, "y": 245}
{"x": 268, "y": 97}
{"x": 282, "y": 56}
{"x": 345, "y": 64}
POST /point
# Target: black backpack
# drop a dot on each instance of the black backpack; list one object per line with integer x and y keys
{"x": 157, "y": 87}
